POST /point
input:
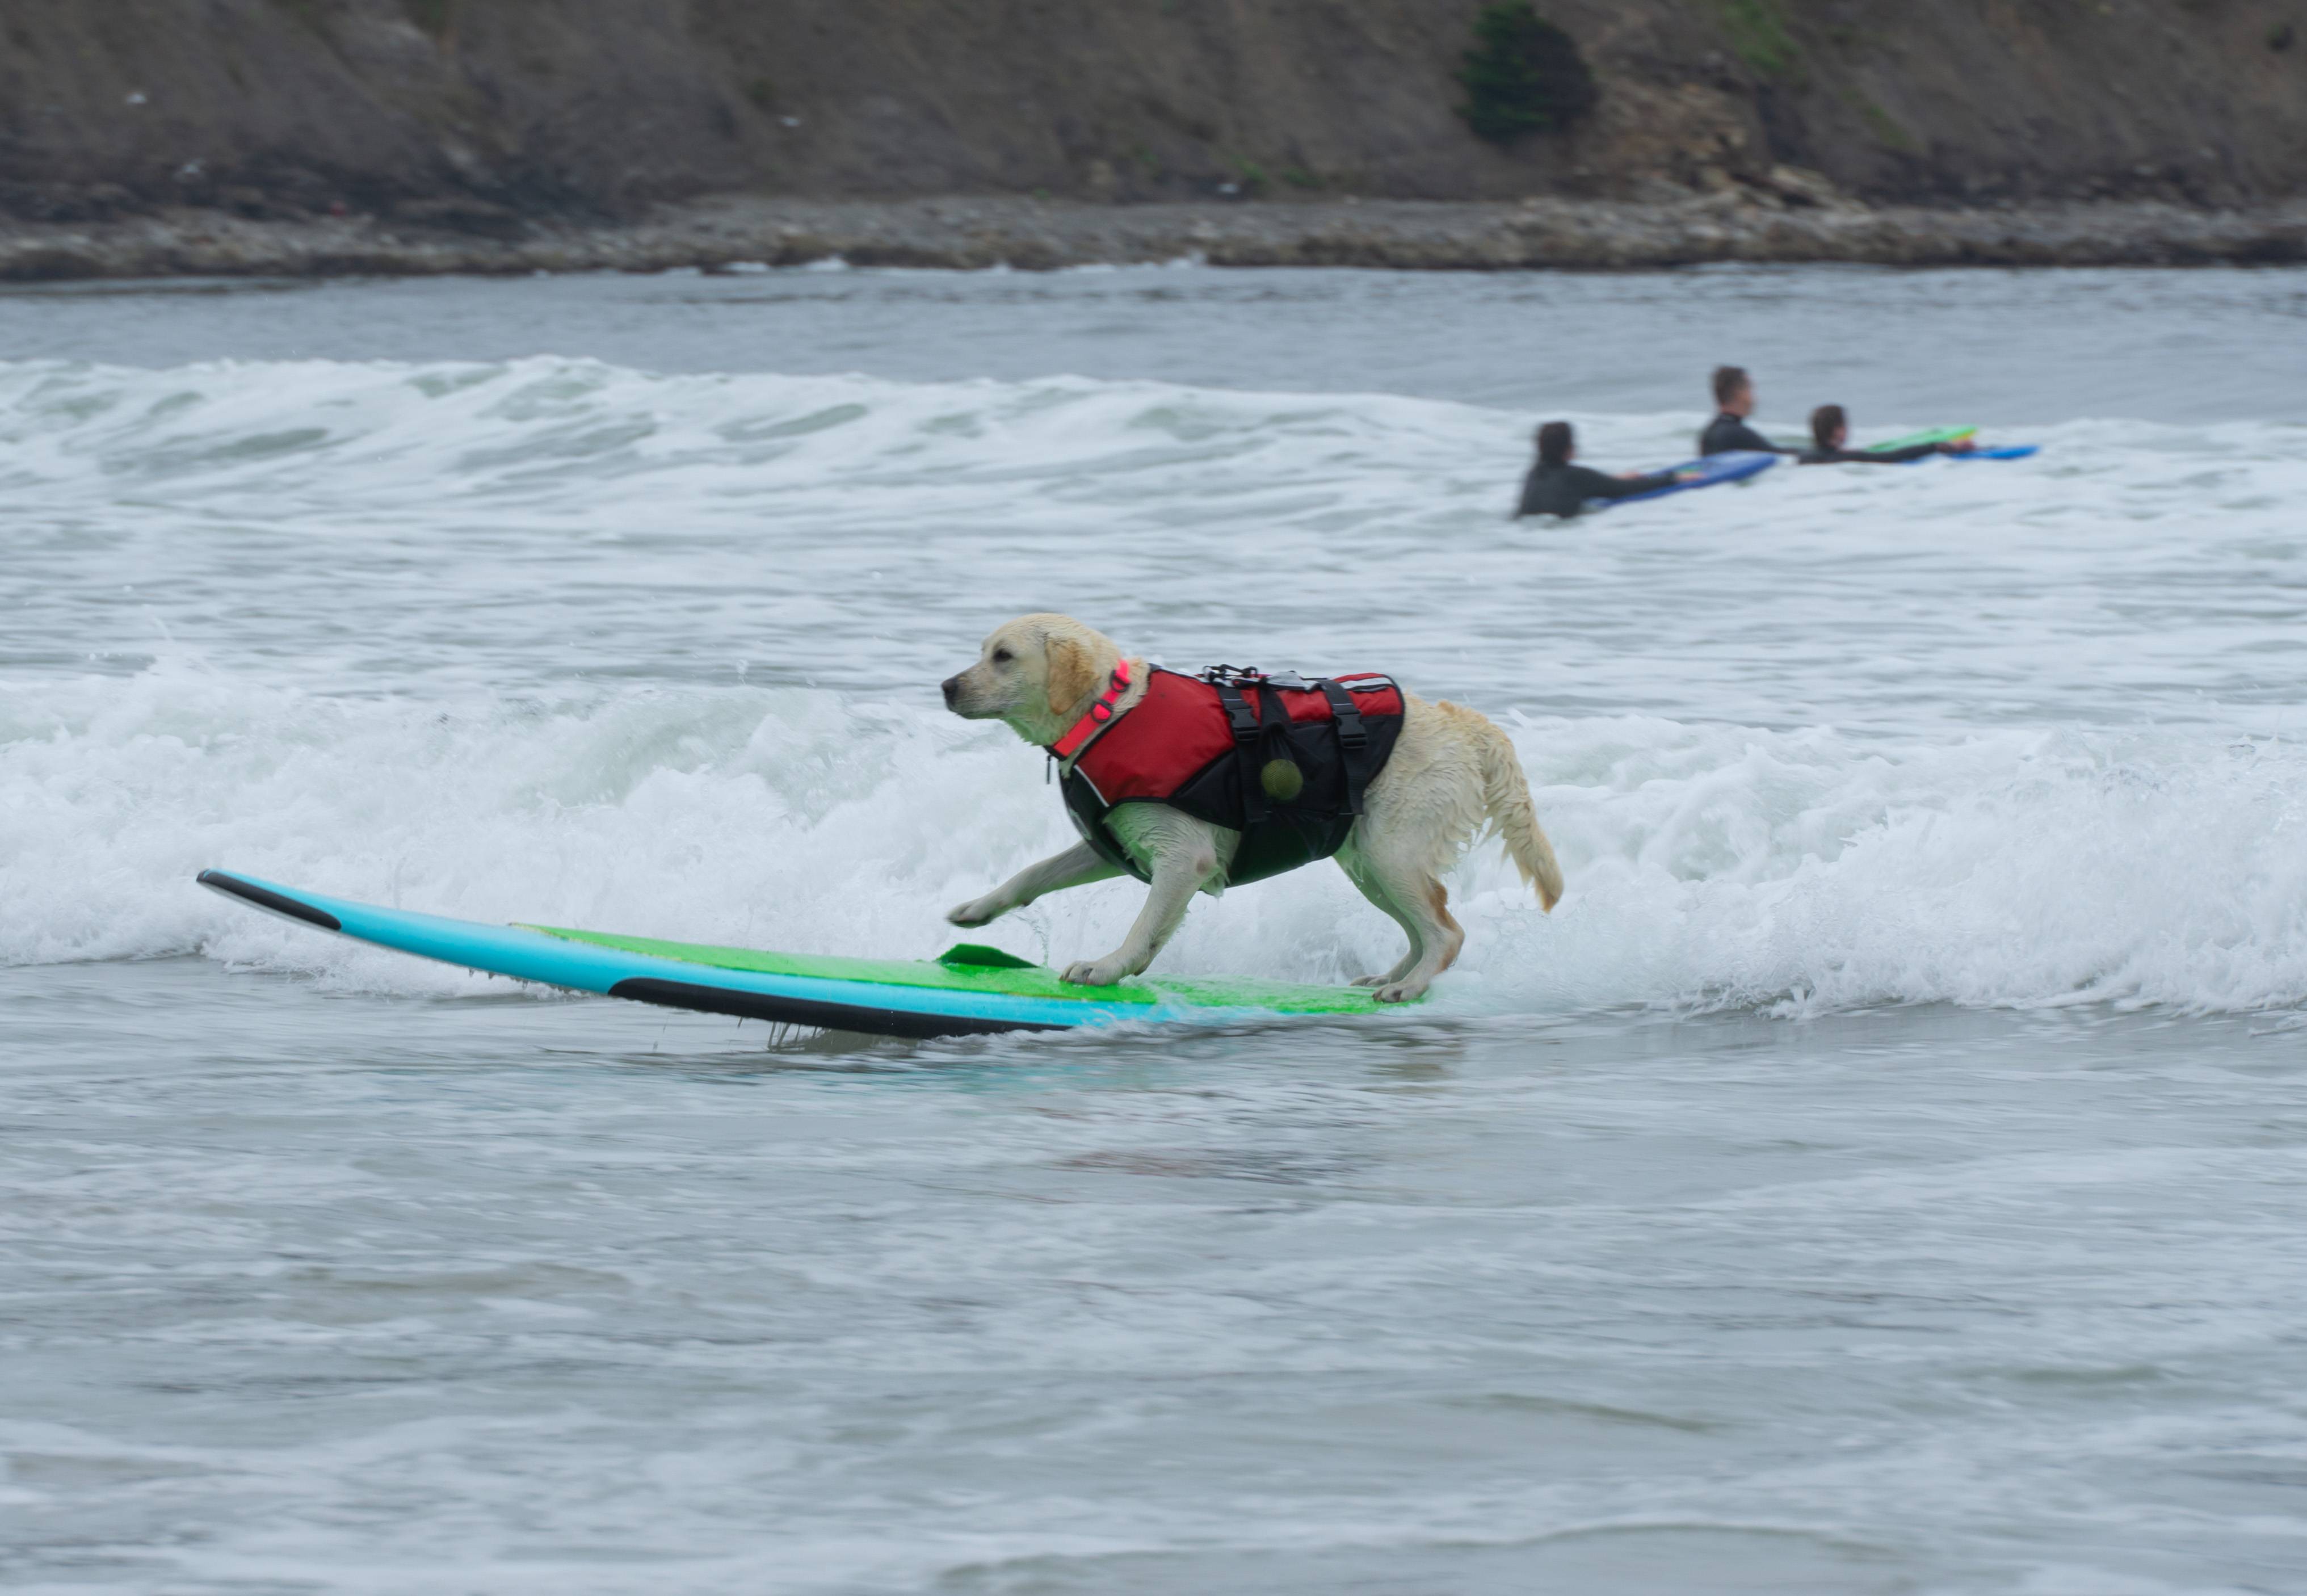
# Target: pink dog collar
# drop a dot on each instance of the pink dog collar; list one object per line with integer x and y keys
{"x": 1100, "y": 713}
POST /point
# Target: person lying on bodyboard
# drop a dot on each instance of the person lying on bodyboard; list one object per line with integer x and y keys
{"x": 1555, "y": 486}
{"x": 1830, "y": 431}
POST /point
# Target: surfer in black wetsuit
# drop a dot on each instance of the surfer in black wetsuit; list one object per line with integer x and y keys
{"x": 1830, "y": 430}
{"x": 1734, "y": 400}
{"x": 1557, "y": 487}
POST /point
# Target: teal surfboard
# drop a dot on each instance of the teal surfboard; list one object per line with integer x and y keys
{"x": 968, "y": 991}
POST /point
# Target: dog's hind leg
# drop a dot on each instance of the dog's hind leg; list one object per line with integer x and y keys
{"x": 1405, "y": 886}
{"x": 1358, "y": 870}
{"x": 1076, "y": 866}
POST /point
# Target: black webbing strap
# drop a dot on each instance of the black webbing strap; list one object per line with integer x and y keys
{"x": 1237, "y": 708}
{"x": 1354, "y": 738}
{"x": 1245, "y": 744}
{"x": 1350, "y": 730}
{"x": 1273, "y": 747}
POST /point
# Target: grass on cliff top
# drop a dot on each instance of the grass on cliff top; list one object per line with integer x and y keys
{"x": 1757, "y": 30}
{"x": 1521, "y": 75}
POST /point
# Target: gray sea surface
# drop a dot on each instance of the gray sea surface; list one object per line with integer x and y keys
{"x": 1885, "y": 1171}
{"x": 1989, "y": 346}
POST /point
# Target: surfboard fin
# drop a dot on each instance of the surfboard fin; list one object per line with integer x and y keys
{"x": 983, "y": 957}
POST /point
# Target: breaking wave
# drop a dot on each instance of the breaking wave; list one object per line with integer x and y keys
{"x": 1708, "y": 865}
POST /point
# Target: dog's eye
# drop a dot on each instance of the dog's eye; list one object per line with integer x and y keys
{"x": 1002, "y": 656}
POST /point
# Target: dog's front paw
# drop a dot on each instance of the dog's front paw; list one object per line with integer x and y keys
{"x": 977, "y": 911}
{"x": 1402, "y": 991}
{"x": 1367, "y": 981}
{"x": 1103, "y": 972}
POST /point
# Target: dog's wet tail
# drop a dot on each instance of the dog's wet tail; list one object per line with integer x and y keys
{"x": 1506, "y": 796}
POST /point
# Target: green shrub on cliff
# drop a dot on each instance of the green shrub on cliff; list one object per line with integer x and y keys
{"x": 1758, "y": 33}
{"x": 432, "y": 15}
{"x": 1521, "y": 75}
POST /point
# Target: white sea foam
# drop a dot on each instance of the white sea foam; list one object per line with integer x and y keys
{"x": 1708, "y": 864}
{"x": 553, "y": 640}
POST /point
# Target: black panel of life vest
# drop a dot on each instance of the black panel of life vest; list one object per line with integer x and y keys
{"x": 1313, "y": 824}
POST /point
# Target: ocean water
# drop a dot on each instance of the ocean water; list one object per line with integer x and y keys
{"x": 1884, "y": 1171}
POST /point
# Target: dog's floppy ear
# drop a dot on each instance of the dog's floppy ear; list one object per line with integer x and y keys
{"x": 1073, "y": 676}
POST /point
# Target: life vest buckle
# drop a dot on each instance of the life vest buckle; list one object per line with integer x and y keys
{"x": 1351, "y": 733}
{"x": 1237, "y": 707}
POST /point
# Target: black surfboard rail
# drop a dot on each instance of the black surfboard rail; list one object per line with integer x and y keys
{"x": 698, "y": 997}
{"x": 265, "y": 898}
{"x": 808, "y": 1011}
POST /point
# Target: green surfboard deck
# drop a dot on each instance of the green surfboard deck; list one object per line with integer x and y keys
{"x": 1937, "y": 435}
{"x": 1018, "y": 979}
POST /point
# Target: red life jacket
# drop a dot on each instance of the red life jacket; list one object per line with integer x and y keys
{"x": 1280, "y": 759}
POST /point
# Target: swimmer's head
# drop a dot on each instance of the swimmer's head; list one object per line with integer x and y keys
{"x": 1829, "y": 426}
{"x": 1734, "y": 389}
{"x": 1554, "y": 443}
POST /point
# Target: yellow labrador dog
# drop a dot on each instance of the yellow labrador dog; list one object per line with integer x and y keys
{"x": 1451, "y": 773}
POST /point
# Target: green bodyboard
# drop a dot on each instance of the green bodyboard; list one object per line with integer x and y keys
{"x": 1937, "y": 435}
{"x": 969, "y": 968}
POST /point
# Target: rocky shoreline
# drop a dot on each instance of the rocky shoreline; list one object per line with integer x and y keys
{"x": 724, "y": 232}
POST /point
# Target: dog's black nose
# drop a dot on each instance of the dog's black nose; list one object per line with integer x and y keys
{"x": 952, "y": 685}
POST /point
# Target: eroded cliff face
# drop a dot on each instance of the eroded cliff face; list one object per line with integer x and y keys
{"x": 474, "y": 112}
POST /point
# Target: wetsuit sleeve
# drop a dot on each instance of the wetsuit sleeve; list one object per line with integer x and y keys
{"x": 1868, "y": 457}
{"x": 1596, "y": 484}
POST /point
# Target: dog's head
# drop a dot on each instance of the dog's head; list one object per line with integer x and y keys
{"x": 1038, "y": 673}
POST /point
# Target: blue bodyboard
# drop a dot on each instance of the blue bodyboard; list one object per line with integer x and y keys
{"x": 2009, "y": 451}
{"x": 1735, "y": 466}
